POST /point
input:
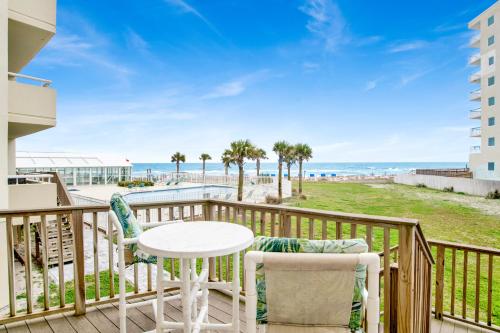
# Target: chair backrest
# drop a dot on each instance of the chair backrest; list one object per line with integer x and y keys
{"x": 130, "y": 227}
{"x": 318, "y": 247}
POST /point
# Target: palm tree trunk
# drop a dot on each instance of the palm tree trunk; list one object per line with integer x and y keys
{"x": 289, "y": 167}
{"x": 203, "y": 171}
{"x": 240, "y": 183}
{"x": 280, "y": 175}
{"x": 177, "y": 167}
{"x": 258, "y": 167}
{"x": 300, "y": 176}
{"x": 226, "y": 170}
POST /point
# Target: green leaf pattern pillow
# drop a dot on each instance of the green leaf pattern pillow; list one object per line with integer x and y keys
{"x": 131, "y": 228}
{"x": 295, "y": 245}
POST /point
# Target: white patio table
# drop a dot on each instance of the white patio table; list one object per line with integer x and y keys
{"x": 189, "y": 241}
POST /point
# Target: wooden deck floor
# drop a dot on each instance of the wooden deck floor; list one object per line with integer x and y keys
{"x": 104, "y": 319}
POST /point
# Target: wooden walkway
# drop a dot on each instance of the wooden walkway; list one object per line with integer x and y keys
{"x": 104, "y": 319}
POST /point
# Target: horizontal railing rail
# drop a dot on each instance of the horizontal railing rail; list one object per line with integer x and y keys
{"x": 457, "y": 172}
{"x": 399, "y": 241}
{"x": 43, "y": 82}
{"x": 29, "y": 179}
{"x": 467, "y": 283}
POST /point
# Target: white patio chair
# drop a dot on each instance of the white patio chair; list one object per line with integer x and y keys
{"x": 122, "y": 244}
{"x": 308, "y": 292}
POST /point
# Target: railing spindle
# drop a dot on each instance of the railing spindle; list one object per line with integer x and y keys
{"x": 439, "y": 282}
{"x": 324, "y": 229}
{"x": 11, "y": 269}
{"x": 453, "y": 280}
{"x": 387, "y": 279}
{"x": 490, "y": 288}
{"x": 464, "y": 286}
{"x": 60, "y": 264}
{"x": 298, "y": 228}
{"x": 338, "y": 230}
{"x": 111, "y": 272}
{"x": 252, "y": 219}
{"x": 478, "y": 281}
{"x": 354, "y": 231}
{"x": 311, "y": 228}
{"x": 95, "y": 235}
{"x": 45, "y": 262}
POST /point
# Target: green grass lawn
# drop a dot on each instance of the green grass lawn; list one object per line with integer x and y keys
{"x": 442, "y": 217}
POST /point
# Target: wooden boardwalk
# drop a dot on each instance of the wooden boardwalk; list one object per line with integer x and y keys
{"x": 104, "y": 319}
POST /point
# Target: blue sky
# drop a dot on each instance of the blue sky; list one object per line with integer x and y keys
{"x": 359, "y": 80}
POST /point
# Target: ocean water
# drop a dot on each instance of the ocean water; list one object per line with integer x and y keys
{"x": 340, "y": 169}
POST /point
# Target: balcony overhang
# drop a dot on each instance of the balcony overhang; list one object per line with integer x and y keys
{"x": 475, "y": 95}
{"x": 32, "y": 23}
{"x": 475, "y": 60}
{"x": 475, "y": 132}
{"x": 475, "y": 41}
{"x": 475, "y": 114}
{"x": 31, "y": 109}
{"x": 475, "y": 78}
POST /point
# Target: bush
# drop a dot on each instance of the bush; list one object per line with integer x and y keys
{"x": 135, "y": 183}
{"x": 493, "y": 195}
{"x": 272, "y": 200}
{"x": 448, "y": 189}
{"x": 303, "y": 197}
{"x": 294, "y": 190}
{"x": 421, "y": 185}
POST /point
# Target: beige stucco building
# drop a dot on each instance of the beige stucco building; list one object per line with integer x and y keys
{"x": 27, "y": 104}
{"x": 485, "y": 158}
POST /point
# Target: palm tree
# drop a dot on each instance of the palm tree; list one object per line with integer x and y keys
{"x": 204, "y": 157}
{"x": 226, "y": 160}
{"x": 177, "y": 158}
{"x": 259, "y": 154}
{"x": 303, "y": 153}
{"x": 289, "y": 158}
{"x": 238, "y": 152}
{"x": 280, "y": 148}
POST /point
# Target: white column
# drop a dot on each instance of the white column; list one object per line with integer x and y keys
{"x": 74, "y": 176}
{"x": 12, "y": 156}
{"x": 4, "y": 128}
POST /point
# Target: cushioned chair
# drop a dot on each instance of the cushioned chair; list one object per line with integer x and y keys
{"x": 299, "y": 285}
{"x": 128, "y": 230}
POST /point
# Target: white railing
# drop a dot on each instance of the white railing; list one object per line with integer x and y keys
{"x": 475, "y": 40}
{"x": 475, "y": 114}
{"x": 475, "y": 132}
{"x": 475, "y": 59}
{"x": 475, "y": 94}
{"x": 29, "y": 179}
{"x": 475, "y": 149}
{"x": 43, "y": 82}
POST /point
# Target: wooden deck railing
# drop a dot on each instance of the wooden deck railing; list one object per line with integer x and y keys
{"x": 401, "y": 244}
{"x": 63, "y": 196}
{"x": 464, "y": 281}
{"x": 461, "y": 173}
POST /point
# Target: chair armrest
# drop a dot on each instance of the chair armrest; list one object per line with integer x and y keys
{"x": 158, "y": 224}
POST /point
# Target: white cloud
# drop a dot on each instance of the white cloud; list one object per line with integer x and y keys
{"x": 407, "y": 46}
{"x": 326, "y": 23}
{"x": 136, "y": 42}
{"x": 236, "y": 86}
{"x": 184, "y": 7}
{"x": 310, "y": 66}
{"x": 372, "y": 84}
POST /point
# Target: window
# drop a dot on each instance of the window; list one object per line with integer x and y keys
{"x": 491, "y": 166}
{"x": 491, "y": 101}
{"x": 491, "y": 142}
{"x": 491, "y": 121}
{"x": 491, "y": 81}
{"x": 491, "y": 40}
{"x": 491, "y": 20}
{"x": 491, "y": 60}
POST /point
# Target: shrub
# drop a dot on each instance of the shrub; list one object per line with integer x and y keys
{"x": 421, "y": 185}
{"x": 303, "y": 197}
{"x": 294, "y": 190}
{"x": 135, "y": 183}
{"x": 493, "y": 195}
{"x": 448, "y": 189}
{"x": 272, "y": 200}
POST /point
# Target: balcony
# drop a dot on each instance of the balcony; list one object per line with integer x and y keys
{"x": 32, "y": 23}
{"x": 475, "y": 95}
{"x": 475, "y": 114}
{"x": 475, "y": 41}
{"x": 475, "y": 60}
{"x": 32, "y": 191}
{"x": 475, "y": 149}
{"x": 475, "y": 77}
{"x": 32, "y": 108}
{"x": 475, "y": 132}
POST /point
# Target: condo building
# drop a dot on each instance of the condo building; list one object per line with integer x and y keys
{"x": 27, "y": 104}
{"x": 484, "y": 157}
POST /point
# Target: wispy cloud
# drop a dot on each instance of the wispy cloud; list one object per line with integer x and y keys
{"x": 326, "y": 23}
{"x": 448, "y": 27}
{"x": 310, "y": 67}
{"x": 407, "y": 46}
{"x": 372, "y": 84}
{"x": 185, "y": 7}
{"x": 136, "y": 42}
{"x": 406, "y": 79}
{"x": 236, "y": 86}
{"x": 456, "y": 129}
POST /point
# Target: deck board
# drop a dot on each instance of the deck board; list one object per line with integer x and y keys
{"x": 105, "y": 319}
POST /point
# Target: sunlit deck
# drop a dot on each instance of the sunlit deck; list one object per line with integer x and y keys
{"x": 104, "y": 319}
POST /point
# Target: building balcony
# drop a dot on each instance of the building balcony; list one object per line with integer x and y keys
{"x": 32, "y": 191}
{"x": 32, "y": 23}
{"x": 475, "y": 59}
{"x": 475, "y": 41}
{"x": 475, "y": 114}
{"x": 475, "y": 149}
{"x": 475, "y": 95}
{"x": 475, "y": 132}
{"x": 475, "y": 77}
{"x": 32, "y": 108}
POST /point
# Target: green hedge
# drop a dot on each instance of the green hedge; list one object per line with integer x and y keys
{"x": 135, "y": 183}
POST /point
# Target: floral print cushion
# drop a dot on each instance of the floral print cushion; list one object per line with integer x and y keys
{"x": 294, "y": 245}
{"x": 131, "y": 228}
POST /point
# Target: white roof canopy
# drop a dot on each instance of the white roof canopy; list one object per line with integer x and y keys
{"x": 66, "y": 160}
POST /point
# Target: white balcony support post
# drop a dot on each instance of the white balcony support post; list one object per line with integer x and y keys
{"x": 12, "y": 156}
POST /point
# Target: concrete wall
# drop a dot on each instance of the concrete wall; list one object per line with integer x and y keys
{"x": 30, "y": 196}
{"x": 470, "y": 186}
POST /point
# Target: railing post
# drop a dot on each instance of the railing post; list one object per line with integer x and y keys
{"x": 78, "y": 261}
{"x": 406, "y": 279}
{"x": 439, "y": 282}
